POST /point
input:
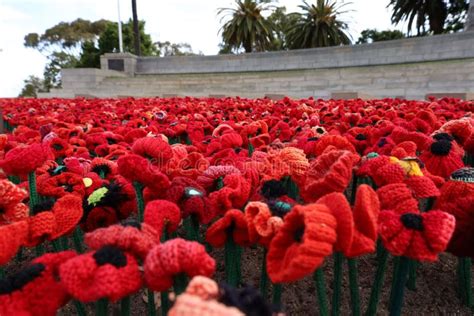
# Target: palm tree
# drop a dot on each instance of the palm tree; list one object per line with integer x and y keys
{"x": 318, "y": 26}
{"x": 136, "y": 29}
{"x": 436, "y": 11}
{"x": 247, "y": 27}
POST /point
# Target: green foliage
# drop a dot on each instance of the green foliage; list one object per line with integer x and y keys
{"x": 52, "y": 70}
{"x": 430, "y": 16}
{"x": 247, "y": 28}
{"x": 318, "y": 26}
{"x": 281, "y": 22}
{"x": 32, "y": 86}
{"x": 174, "y": 49}
{"x": 372, "y": 35}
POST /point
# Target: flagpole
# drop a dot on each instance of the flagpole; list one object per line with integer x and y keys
{"x": 119, "y": 28}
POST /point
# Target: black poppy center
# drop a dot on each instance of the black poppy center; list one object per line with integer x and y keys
{"x": 68, "y": 188}
{"x": 279, "y": 208}
{"x": 412, "y": 221}
{"x": 298, "y": 234}
{"x": 360, "y": 137}
{"x": 312, "y": 139}
{"x": 110, "y": 255}
{"x": 18, "y": 280}
{"x": 382, "y": 142}
{"x": 443, "y": 136}
{"x": 320, "y": 130}
{"x": 43, "y": 206}
{"x": 441, "y": 147}
{"x": 111, "y": 141}
{"x": 237, "y": 150}
{"x": 101, "y": 169}
{"x": 273, "y": 189}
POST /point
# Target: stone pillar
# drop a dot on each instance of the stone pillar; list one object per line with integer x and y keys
{"x": 469, "y": 26}
{"x": 123, "y": 62}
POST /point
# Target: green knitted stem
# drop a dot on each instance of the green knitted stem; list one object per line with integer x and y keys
{"x": 231, "y": 262}
{"x": 140, "y": 202}
{"x": 19, "y": 255}
{"x": 102, "y": 174}
{"x": 191, "y": 226}
{"x": 81, "y": 310}
{"x": 291, "y": 188}
{"x": 56, "y": 245}
{"x": 151, "y": 307}
{"x": 220, "y": 183}
{"x": 39, "y": 250}
{"x": 467, "y": 288}
{"x": 460, "y": 275}
{"x": 396, "y": 300}
{"x": 77, "y": 240}
{"x": 336, "y": 294}
{"x": 411, "y": 284}
{"x": 354, "y": 286}
{"x": 276, "y": 299}
{"x": 180, "y": 283}
{"x": 2, "y": 273}
{"x": 468, "y": 160}
{"x": 396, "y": 263}
{"x": 165, "y": 303}
{"x": 321, "y": 292}
{"x": 33, "y": 192}
{"x": 263, "y": 275}
{"x": 14, "y": 179}
{"x": 378, "y": 282}
{"x": 353, "y": 189}
{"x": 64, "y": 242}
{"x": 101, "y": 307}
{"x": 251, "y": 149}
{"x": 125, "y": 306}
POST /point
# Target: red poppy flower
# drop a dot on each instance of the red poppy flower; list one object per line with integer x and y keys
{"x": 210, "y": 178}
{"x": 53, "y": 219}
{"x": 286, "y": 162}
{"x": 35, "y": 290}
{"x": 58, "y": 147}
{"x": 232, "y": 224}
{"x": 130, "y": 236}
{"x": 419, "y": 236}
{"x": 335, "y": 141}
{"x": 234, "y": 194}
{"x": 441, "y": 158}
{"x": 12, "y": 237}
{"x": 174, "y": 257}
{"x": 105, "y": 168}
{"x": 262, "y": 225}
{"x": 136, "y": 168}
{"x": 61, "y": 185}
{"x": 11, "y": 206}
{"x": 161, "y": 215}
{"x": 330, "y": 172}
{"x": 23, "y": 160}
{"x": 106, "y": 273}
{"x": 153, "y": 148}
{"x": 99, "y": 217}
{"x": 300, "y": 246}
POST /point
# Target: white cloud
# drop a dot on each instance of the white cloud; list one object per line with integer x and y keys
{"x": 190, "y": 21}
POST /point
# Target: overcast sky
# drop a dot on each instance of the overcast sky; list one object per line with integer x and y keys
{"x": 191, "y": 21}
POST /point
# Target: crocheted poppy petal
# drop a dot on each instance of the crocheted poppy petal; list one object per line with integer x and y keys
{"x": 439, "y": 227}
{"x": 341, "y": 209}
{"x": 41, "y": 227}
{"x": 161, "y": 214}
{"x": 389, "y": 173}
{"x": 252, "y": 210}
{"x": 366, "y": 211}
{"x": 361, "y": 245}
{"x": 419, "y": 249}
{"x": 393, "y": 234}
{"x": 397, "y": 197}
{"x": 300, "y": 246}
{"x": 12, "y": 236}
{"x": 422, "y": 186}
{"x": 67, "y": 213}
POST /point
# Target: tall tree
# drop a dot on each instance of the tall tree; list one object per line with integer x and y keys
{"x": 318, "y": 26}
{"x": 136, "y": 28}
{"x": 430, "y": 16}
{"x": 246, "y": 28}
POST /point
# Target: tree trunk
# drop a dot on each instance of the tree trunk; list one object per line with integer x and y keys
{"x": 248, "y": 46}
{"x": 136, "y": 30}
{"x": 469, "y": 25}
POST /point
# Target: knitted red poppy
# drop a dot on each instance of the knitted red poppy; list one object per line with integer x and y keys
{"x": 131, "y": 236}
{"x": 336, "y": 141}
{"x": 174, "y": 257}
{"x": 419, "y": 236}
{"x": 287, "y": 162}
{"x": 58, "y": 147}
{"x": 61, "y": 185}
{"x": 136, "y": 168}
{"x": 262, "y": 225}
{"x": 441, "y": 158}
{"x": 12, "y": 237}
{"x": 103, "y": 167}
{"x": 106, "y": 273}
{"x": 234, "y": 194}
{"x": 22, "y": 160}
{"x": 209, "y": 179}
{"x": 300, "y": 246}
{"x": 232, "y": 224}
{"x": 11, "y": 206}
{"x": 330, "y": 172}
{"x": 99, "y": 217}
{"x": 404, "y": 149}
{"x": 35, "y": 290}
{"x": 457, "y": 199}
{"x": 161, "y": 215}
{"x": 52, "y": 219}
{"x": 153, "y": 148}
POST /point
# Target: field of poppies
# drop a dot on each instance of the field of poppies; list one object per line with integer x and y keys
{"x": 187, "y": 206}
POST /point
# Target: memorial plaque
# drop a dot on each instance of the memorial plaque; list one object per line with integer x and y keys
{"x": 116, "y": 64}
